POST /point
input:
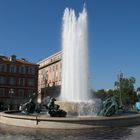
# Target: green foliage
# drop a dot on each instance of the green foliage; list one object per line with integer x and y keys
{"x": 124, "y": 90}
{"x": 101, "y": 94}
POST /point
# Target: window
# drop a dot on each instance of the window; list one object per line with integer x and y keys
{"x": 2, "y": 92}
{"x": 2, "y": 80}
{"x": 22, "y": 69}
{"x": 3, "y": 67}
{"x": 31, "y": 70}
{"x": 21, "y": 81}
{"x": 53, "y": 68}
{"x": 30, "y": 92}
{"x": 31, "y": 82}
{"x": 11, "y": 92}
{"x": 13, "y": 68}
{"x": 12, "y": 80}
{"x": 21, "y": 93}
{"x": 56, "y": 75}
{"x": 56, "y": 67}
{"x": 56, "y": 78}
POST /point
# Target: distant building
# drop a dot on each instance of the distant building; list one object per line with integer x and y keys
{"x": 18, "y": 80}
{"x": 49, "y": 79}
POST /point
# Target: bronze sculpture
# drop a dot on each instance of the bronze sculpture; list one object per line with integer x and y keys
{"x": 48, "y": 103}
{"x": 110, "y": 107}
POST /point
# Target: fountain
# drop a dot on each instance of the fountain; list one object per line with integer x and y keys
{"x": 75, "y": 90}
{"x": 75, "y": 93}
{"x": 75, "y": 83}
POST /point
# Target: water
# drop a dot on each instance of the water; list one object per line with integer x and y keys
{"x": 75, "y": 83}
{"x": 83, "y": 108}
{"x": 115, "y": 133}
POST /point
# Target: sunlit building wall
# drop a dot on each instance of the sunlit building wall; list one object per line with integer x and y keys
{"x": 49, "y": 76}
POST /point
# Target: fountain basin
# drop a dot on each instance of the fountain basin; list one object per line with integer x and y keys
{"x": 41, "y": 121}
{"x": 81, "y": 108}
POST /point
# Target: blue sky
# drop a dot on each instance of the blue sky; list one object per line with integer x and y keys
{"x": 31, "y": 29}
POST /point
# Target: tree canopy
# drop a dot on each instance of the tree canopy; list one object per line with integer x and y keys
{"x": 124, "y": 90}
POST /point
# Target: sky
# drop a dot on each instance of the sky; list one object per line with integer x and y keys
{"x": 31, "y": 29}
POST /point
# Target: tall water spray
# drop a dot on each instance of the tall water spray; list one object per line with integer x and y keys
{"x": 75, "y": 83}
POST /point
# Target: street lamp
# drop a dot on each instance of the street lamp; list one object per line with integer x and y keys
{"x": 11, "y": 93}
{"x": 39, "y": 96}
{"x": 120, "y": 77}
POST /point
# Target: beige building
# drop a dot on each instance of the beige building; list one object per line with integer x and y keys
{"x": 49, "y": 78}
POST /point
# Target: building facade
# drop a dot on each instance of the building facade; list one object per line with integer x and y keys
{"x": 49, "y": 78}
{"x": 18, "y": 80}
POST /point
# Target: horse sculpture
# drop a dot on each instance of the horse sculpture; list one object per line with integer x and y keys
{"x": 110, "y": 107}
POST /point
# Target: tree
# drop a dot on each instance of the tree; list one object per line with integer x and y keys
{"x": 110, "y": 92}
{"x": 101, "y": 94}
{"x": 125, "y": 89}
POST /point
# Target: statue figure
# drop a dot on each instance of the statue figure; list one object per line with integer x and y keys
{"x": 110, "y": 107}
{"x": 48, "y": 103}
{"x": 53, "y": 109}
{"x": 29, "y": 107}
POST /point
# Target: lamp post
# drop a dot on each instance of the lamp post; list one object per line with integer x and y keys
{"x": 120, "y": 77}
{"x": 39, "y": 97}
{"x": 11, "y": 93}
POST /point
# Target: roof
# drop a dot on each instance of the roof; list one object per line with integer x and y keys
{"x": 51, "y": 56}
{"x": 21, "y": 61}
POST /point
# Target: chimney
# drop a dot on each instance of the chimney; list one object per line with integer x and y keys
{"x": 13, "y": 58}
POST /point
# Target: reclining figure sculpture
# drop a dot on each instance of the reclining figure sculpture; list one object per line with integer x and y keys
{"x": 110, "y": 107}
{"x": 29, "y": 107}
{"x": 53, "y": 109}
{"x": 48, "y": 103}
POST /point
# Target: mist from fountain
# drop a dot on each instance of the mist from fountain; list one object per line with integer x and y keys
{"x": 75, "y": 90}
{"x": 75, "y": 83}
